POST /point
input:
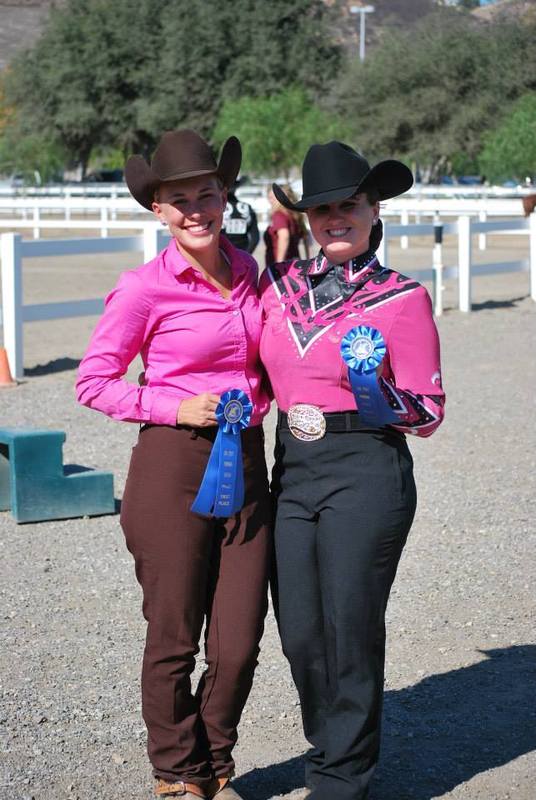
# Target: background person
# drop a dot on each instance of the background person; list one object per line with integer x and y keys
{"x": 240, "y": 222}
{"x": 194, "y": 315}
{"x": 345, "y": 491}
{"x": 285, "y": 231}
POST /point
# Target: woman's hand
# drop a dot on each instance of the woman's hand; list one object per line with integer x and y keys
{"x": 199, "y": 411}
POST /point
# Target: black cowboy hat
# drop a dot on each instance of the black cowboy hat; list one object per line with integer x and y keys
{"x": 335, "y": 171}
{"x": 180, "y": 154}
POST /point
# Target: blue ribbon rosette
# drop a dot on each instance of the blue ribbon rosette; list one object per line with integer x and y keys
{"x": 221, "y": 493}
{"x": 363, "y": 350}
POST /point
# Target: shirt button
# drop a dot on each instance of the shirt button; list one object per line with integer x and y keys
{"x": 236, "y": 313}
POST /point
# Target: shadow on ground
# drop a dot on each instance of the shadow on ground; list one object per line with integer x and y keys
{"x": 441, "y": 732}
{"x": 486, "y": 305}
{"x": 490, "y": 305}
{"x": 57, "y": 365}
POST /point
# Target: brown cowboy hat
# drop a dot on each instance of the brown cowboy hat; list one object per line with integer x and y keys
{"x": 335, "y": 171}
{"x": 180, "y": 154}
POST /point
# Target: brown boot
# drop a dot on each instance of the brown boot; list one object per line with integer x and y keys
{"x": 187, "y": 791}
{"x": 223, "y": 790}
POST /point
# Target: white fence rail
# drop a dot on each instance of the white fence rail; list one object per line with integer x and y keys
{"x": 14, "y": 249}
{"x": 465, "y": 228}
{"x": 15, "y": 313}
{"x": 40, "y": 209}
{"x": 103, "y": 223}
{"x": 67, "y": 190}
{"x": 258, "y": 186}
{"x": 65, "y": 207}
{"x": 453, "y": 207}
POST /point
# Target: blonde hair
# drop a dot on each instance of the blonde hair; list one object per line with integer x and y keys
{"x": 297, "y": 216}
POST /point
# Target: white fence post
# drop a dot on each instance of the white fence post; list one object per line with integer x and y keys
{"x": 404, "y": 220}
{"x": 67, "y": 205}
{"x": 150, "y": 242}
{"x": 36, "y": 218}
{"x": 104, "y": 221}
{"x": 464, "y": 263}
{"x": 532, "y": 256}
{"x": 10, "y": 251}
{"x": 482, "y": 242}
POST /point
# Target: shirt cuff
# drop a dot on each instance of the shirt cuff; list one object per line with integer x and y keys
{"x": 164, "y": 408}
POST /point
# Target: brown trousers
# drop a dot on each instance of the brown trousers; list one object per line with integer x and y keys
{"x": 193, "y": 570}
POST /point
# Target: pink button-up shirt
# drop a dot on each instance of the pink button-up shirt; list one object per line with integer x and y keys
{"x": 191, "y": 340}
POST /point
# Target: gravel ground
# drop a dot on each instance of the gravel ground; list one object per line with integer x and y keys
{"x": 460, "y": 717}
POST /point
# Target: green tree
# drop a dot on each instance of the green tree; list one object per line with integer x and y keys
{"x": 275, "y": 131}
{"x": 510, "y": 150}
{"x": 430, "y": 94}
{"x": 30, "y": 154}
{"x": 27, "y": 154}
{"x": 215, "y": 51}
{"x": 117, "y": 74}
{"x": 79, "y": 83}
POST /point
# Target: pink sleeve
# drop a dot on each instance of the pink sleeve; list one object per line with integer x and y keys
{"x": 116, "y": 341}
{"x": 415, "y": 387}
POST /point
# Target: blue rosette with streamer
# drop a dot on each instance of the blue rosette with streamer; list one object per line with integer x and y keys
{"x": 363, "y": 350}
{"x": 221, "y": 493}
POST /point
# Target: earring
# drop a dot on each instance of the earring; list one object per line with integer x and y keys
{"x": 375, "y": 221}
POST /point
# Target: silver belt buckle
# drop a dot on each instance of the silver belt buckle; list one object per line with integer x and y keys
{"x": 306, "y": 423}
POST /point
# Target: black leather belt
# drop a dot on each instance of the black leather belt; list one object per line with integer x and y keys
{"x": 336, "y": 422}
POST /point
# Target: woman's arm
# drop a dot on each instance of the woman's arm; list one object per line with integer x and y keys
{"x": 414, "y": 389}
{"x": 116, "y": 341}
{"x": 420, "y": 414}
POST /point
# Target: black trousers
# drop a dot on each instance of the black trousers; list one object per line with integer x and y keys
{"x": 345, "y": 505}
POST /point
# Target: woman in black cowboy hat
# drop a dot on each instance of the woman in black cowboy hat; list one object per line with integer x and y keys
{"x": 194, "y": 315}
{"x": 352, "y": 353}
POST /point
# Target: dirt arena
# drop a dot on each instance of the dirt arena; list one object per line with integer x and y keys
{"x": 460, "y": 715}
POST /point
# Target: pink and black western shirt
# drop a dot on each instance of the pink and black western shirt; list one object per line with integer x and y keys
{"x": 309, "y": 306}
{"x": 191, "y": 340}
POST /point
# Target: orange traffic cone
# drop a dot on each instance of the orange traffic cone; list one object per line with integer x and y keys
{"x": 6, "y": 381}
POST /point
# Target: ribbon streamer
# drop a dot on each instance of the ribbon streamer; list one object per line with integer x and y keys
{"x": 363, "y": 350}
{"x": 221, "y": 493}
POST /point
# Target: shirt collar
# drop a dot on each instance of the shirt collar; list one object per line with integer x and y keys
{"x": 174, "y": 259}
{"x": 353, "y": 269}
{"x": 177, "y": 263}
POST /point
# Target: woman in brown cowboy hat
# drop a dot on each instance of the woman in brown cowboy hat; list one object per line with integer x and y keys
{"x": 343, "y": 475}
{"x": 194, "y": 316}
